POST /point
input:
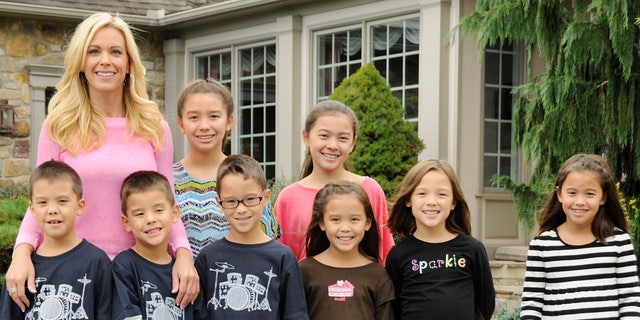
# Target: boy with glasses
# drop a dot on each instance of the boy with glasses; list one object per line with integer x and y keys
{"x": 247, "y": 275}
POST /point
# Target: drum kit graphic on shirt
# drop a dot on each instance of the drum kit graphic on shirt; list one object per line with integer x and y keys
{"x": 238, "y": 295}
{"x": 52, "y": 304}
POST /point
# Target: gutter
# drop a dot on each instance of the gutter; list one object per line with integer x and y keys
{"x": 153, "y": 18}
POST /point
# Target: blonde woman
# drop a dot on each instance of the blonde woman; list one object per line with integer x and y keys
{"x": 102, "y": 123}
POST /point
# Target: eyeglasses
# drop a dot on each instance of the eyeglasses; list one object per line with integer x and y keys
{"x": 247, "y": 202}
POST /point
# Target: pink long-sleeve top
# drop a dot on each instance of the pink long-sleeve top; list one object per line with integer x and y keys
{"x": 294, "y": 207}
{"x": 102, "y": 171}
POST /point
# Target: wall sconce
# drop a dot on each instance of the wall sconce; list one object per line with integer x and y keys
{"x": 6, "y": 117}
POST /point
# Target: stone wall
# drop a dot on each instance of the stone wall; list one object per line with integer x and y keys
{"x": 27, "y": 42}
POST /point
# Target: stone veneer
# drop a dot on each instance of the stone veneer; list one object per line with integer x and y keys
{"x": 28, "y": 42}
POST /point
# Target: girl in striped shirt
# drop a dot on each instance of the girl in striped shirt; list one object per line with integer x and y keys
{"x": 582, "y": 264}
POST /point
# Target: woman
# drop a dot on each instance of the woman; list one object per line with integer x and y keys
{"x": 102, "y": 123}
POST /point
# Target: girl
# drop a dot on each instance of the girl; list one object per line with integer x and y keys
{"x": 582, "y": 264}
{"x": 439, "y": 270}
{"x": 341, "y": 275}
{"x": 205, "y": 116}
{"x": 330, "y": 136}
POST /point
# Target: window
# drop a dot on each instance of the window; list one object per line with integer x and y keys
{"x": 339, "y": 56}
{"x": 394, "y": 50}
{"x": 254, "y": 77}
{"x": 257, "y": 105}
{"x": 217, "y": 66}
{"x": 502, "y": 65}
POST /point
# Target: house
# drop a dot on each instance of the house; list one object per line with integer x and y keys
{"x": 279, "y": 58}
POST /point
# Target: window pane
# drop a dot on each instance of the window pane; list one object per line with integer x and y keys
{"x": 225, "y": 67}
{"x": 411, "y": 103}
{"x": 396, "y": 39}
{"x": 507, "y": 69}
{"x": 490, "y": 168}
{"x": 246, "y": 62}
{"x": 505, "y": 138}
{"x": 492, "y": 68}
{"x": 490, "y": 137}
{"x": 396, "y": 76}
{"x": 506, "y": 105}
{"x": 270, "y": 93}
{"x": 411, "y": 70}
{"x": 258, "y": 91}
{"x": 201, "y": 66}
{"x": 271, "y": 149}
{"x": 341, "y": 74}
{"x": 245, "y": 116}
{"x": 381, "y": 66}
{"x": 258, "y": 61}
{"x": 380, "y": 41}
{"x": 245, "y": 146}
{"x": 245, "y": 92}
{"x": 258, "y": 120}
{"x": 271, "y": 119}
{"x": 270, "y": 171}
{"x": 354, "y": 46}
{"x": 491, "y": 101}
{"x": 257, "y": 149}
{"x": 270, "y": 60}
{"x": 324, "y": 81}
{"x": 505, "y": 166}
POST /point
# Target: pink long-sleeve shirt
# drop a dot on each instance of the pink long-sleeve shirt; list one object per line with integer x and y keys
{"x": 102, "y": 171}
{"x": 294, "y": 208}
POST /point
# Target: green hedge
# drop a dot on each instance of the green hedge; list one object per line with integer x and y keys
{"x": 13, "y": 204}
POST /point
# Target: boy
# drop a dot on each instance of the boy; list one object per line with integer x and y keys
{"x": 73, "y": 277}
{"x": 246, "y": 274}
{"x": 142, "y": 274}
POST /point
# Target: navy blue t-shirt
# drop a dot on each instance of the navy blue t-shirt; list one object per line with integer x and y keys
{"x": 144, "y": 288}
{"x": 251, "y": 281}
{"x": 74, "y": 285}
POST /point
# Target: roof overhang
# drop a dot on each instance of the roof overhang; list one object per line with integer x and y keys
{"x": 154, "y": 18}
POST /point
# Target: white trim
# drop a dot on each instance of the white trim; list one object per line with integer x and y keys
{"x": 41, "y": 77}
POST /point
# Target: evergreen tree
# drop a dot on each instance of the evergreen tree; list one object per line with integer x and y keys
{"x": 587, "y": 100}
{"x": 387, "y": 146}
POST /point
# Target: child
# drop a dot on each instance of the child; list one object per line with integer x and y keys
{"x": 142, "y": 273}
{"x": 439, "y": 269}
{"x": 341, "y": 274}
{"x": 247, "y": 275}
{"x": 205, "y": 116}
{"x": 330, "y": 136}
{"x": 582, "y": 264}
{"x": 73, "y": 277}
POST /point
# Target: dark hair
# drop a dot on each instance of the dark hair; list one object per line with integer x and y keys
{"x": 204, "y": 86}
{"x": 141, "y": 181}
{"x": 609, "y": 216}
{"x": 316, "y": 240}
{"x": 56, "y": 170}
{"x": 243, "y": 165}
{"x": 401, "y": 220}
{"x": 327, "y": 107}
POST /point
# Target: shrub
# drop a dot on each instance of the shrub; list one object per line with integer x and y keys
{"x": 387, "y": 146}
{"x": 504, "y": 314}
{"x": 13, "y": 204}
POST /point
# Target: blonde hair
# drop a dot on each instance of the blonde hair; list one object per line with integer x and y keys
{"x": 72, "y": 121}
